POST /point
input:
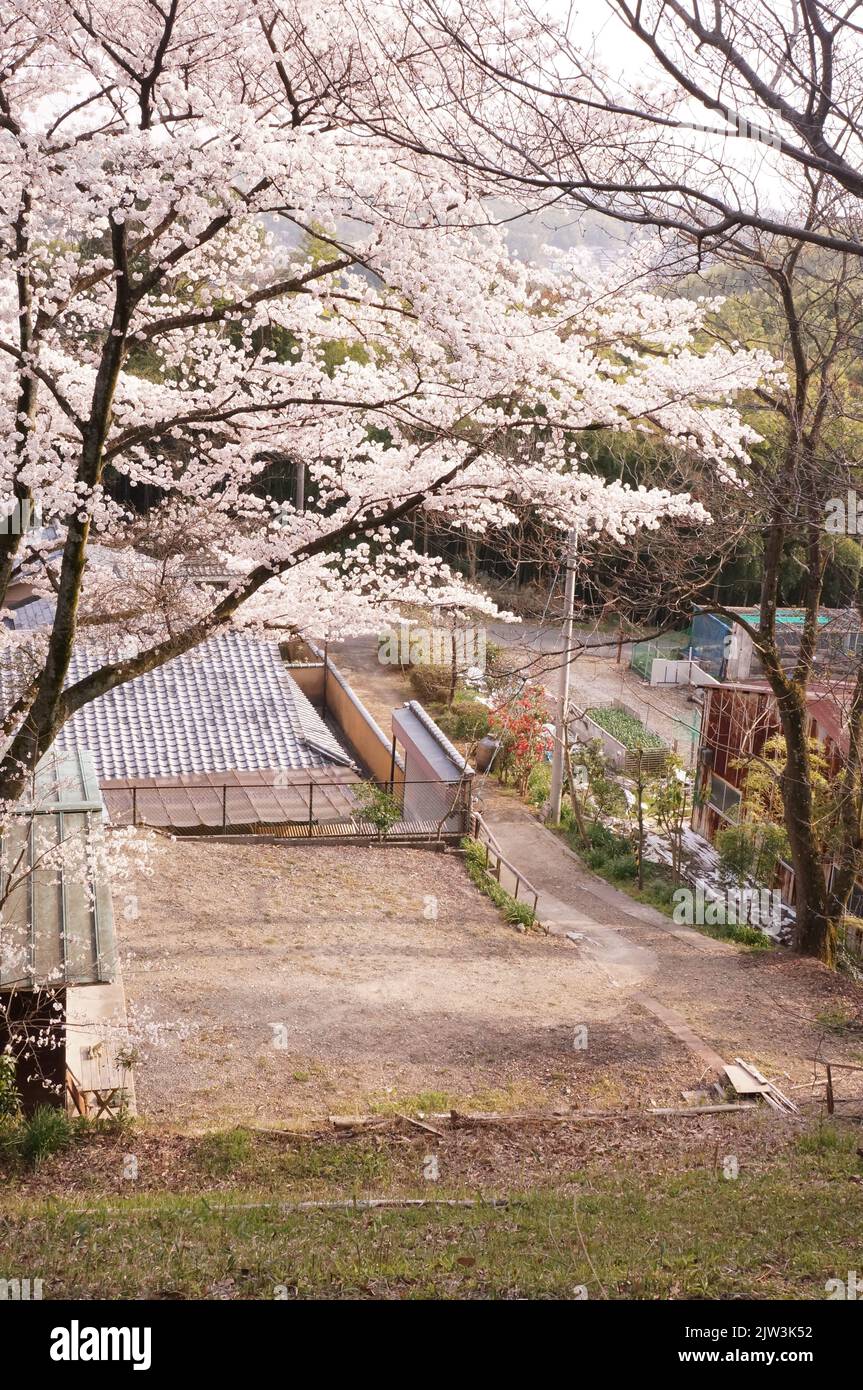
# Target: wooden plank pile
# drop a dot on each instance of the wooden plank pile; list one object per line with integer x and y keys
{"x": 747, "y": 1080}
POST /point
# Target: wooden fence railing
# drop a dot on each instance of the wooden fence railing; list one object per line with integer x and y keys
{"x": 508, "y": 876}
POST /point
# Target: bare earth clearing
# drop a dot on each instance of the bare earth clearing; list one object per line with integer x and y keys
{"x": 377, "y": 1002}
{"x": 274, "y": 985}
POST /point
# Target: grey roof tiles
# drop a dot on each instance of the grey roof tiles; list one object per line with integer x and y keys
{"x": 227, "y": 705}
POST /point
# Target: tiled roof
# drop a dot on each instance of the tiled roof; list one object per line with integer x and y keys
{"x": 36, "y": 613}
{"x": 228, "y": 705}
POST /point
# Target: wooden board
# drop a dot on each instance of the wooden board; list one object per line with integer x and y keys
{"x": 743, "y": 1083}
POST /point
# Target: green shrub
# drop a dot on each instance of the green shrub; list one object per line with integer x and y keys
{"x": 431, "y": 684}
{"x": 596, "y": 859}
{"x": 47, "y": 1131}
{"x": 377, "y": 806}
{"x": 602, "y": 838}
{"x": 747, "y": 936}
{"x": 513, "y": 911}
{"x": 10, "y": 1138}
{"x": 539, "y": 784}
{"x": 740, "y": 932}
{"x": 659, "y": 893}
{"x": 607, "y": 849}
{"x": 465, "y": 719}
{"x": 622, "y": 865}
{"x": 751, "y": 851}
{"x": 10, "y": 1100}
{"x": 605, "y": 794}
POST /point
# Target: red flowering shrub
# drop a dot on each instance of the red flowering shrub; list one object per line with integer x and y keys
{"x": 524, "y": 741}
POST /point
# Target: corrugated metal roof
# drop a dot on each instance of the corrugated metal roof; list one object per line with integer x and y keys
{"x": 57, "y": 922}
{"x": 224, "y": 801}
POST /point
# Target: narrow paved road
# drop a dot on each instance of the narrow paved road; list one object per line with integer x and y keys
{"x": 576, "y": 903}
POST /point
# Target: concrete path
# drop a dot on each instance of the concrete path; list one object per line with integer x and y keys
{"x": 599, "y": 919}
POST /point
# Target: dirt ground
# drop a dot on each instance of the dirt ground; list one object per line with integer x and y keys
{"x": 268, "y": 983}
{"x": 274, "y": 985}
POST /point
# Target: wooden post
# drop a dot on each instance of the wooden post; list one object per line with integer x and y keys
{"x": 311, "y": 807}
{"x": 134, "y": 805}
{"x": 224, "y": 807}
{"x": 640, "y": 795}
{"x": 830, "y": 1100}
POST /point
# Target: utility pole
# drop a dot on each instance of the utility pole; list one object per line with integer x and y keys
{"x": 557, "y": 769}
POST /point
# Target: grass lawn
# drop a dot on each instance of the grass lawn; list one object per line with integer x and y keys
{"x": 778, "y": 1231}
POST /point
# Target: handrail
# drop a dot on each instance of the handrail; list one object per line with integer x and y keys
{"x": 478, "y": 824}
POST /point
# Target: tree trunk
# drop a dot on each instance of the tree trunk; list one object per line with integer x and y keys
{"x": 815, "y": 933}
{"x": 453, "y": 675}
{"x": 639, "y": 787}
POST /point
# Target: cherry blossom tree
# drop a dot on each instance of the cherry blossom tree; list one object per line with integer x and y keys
{"x": 209, "y": 264}
{"x": 732, "y": 131}
{"x": 672, "y": 114}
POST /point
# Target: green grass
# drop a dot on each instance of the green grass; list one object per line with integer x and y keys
{"x": 236, "y": 1153}
{"x": 427, "y": 1102}
{"x": 739, "y": 932}
{"x": 828, "y": 1141}
{"x": 514, "y": 1096}
{"x": 839, "y": 1019}
{"x": 224, "y": 1152}
{"x": 512, "y": 911}
{"x": 629, "y": 1234}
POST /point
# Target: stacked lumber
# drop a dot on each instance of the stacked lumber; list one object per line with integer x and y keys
{"x": 747, "y": 1080}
